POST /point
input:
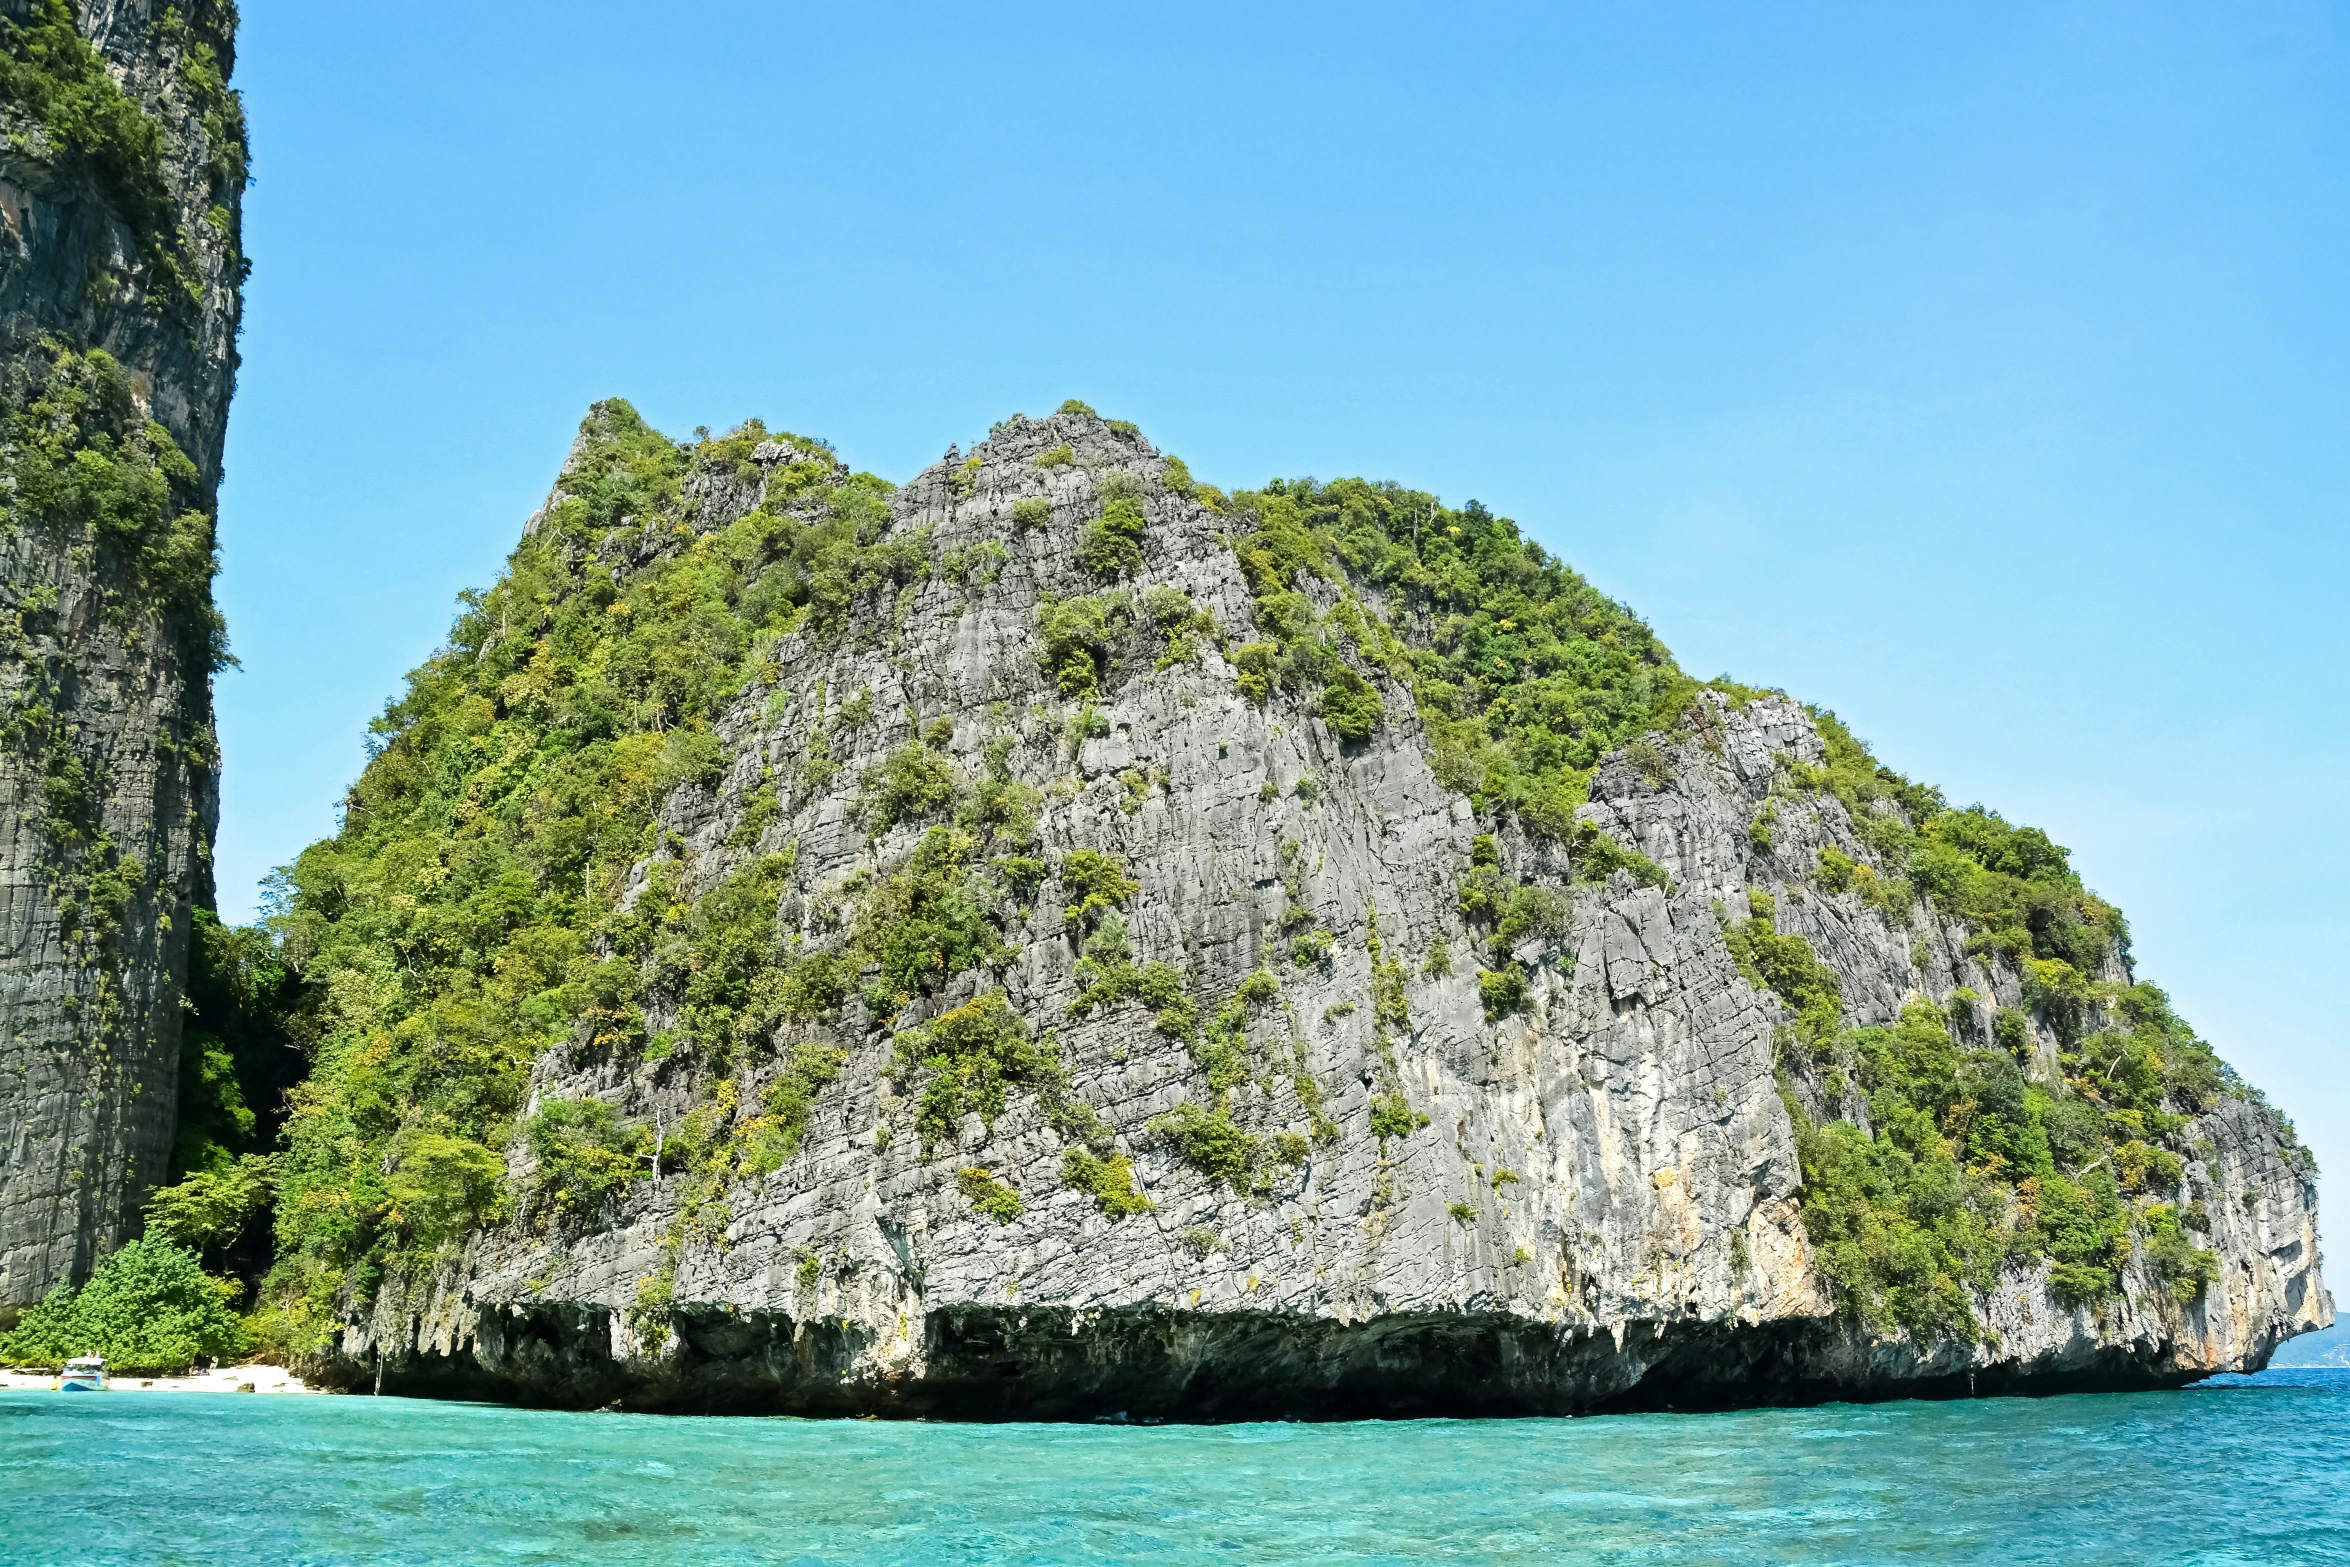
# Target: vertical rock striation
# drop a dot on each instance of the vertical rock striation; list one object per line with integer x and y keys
{"x": 1024, "y": 997}
{"x": 122, "y": 166}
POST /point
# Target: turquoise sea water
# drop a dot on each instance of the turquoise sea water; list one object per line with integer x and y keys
{"x": 2257, "y": 1470}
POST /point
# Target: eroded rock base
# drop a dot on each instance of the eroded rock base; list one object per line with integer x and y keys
{"x": 1010, "y": 1363}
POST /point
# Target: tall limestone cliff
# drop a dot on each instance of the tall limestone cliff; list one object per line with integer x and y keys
{"x": 1058, "y": 940}
{"x": 122, "y": 164}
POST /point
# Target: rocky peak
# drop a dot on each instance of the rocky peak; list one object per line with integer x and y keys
{"x": 1055, "y": 937}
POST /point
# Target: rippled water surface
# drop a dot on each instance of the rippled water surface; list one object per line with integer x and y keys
{"x": 2256, "y": 1470}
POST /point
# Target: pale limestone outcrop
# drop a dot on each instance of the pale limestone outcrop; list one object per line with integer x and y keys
{"x": 1600, "y": 1207}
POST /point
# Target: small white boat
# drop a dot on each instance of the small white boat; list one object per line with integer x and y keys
{"x": 83, "y": 1374}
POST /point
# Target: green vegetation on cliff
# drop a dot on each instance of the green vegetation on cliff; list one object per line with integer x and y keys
{"x": 85, "y": 465}
{"x": 68, "y": 112}
{"x": 52, "y": 75}
{"x": 238, "y": 1061}
{"x": 125, "y": 165}
{"x": 1967, "y": 1164}
{"x": 469, "y": 914}
{"x": 84, "y": 471}
{"x": 501, "y": 889}
{"x": 1525, "y": 677}
{"x": 1524, "y": 674}
{"x": 1970, "y": 1164}
{"x": 2015, "y": 888}
{"x": 84, "y": 468}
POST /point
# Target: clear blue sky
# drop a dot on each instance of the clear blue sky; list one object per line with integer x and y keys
{"x": 1978, "y": 371}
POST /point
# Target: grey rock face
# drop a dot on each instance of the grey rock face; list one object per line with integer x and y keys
{"x": 120, "y": 702}
{"x": 1598, "y": 1207}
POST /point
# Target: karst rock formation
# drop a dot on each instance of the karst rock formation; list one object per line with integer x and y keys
{"x": 1083, "y": 960}
{"x": 122, "y": 165}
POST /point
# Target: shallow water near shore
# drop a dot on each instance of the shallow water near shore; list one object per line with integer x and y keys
{"x": 2237, "y": 1470}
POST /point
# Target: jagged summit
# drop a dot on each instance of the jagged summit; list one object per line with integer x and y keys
{"x": 1055, "y": 938}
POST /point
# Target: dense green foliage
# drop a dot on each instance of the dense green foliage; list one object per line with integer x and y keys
{"x": 1111, "y": 545}
{"x": 85, "y": 467}
{"x": 1899, "y": 1225}
{"x": 1349, "y": 705}
{"x": 969, "y": 1060}
{"x": 1109, "y": 1182}
{"x": 1524, "y": 674}
{"x": 468, "y": 914}
{"x": 2024, "y": 903}
{"x": 56, "y": 79}
{"x": 57, "y": 82}
{"x": 149, "y": 1308}
{"x": 1788, "y": 966}
{"x": 1972, "y": 1164}
{"x": 85, "y": 463}
{"x": 989, "y": 1196}
{"x": 210, "y": 1208}
{"x": 1968, "y": 1164}
{"x": 1209, "y": 1141}
{"x": 913, "y": 781}
{"x": 238, "y": 1061}
{"x": 237, "y": 1056}
{"x": 789, "y": 1101}
{"x": 1502, "y": 990}
{"x": 1079, "y": 638}
{"x": 1111, "y": 976}
{"x": 583, "y": 1152}
{"x": 927, "y": 923}
{"x": 1094, "y": 883}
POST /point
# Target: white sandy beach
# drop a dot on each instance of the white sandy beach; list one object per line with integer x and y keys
{"x": 222, "y": 1379}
